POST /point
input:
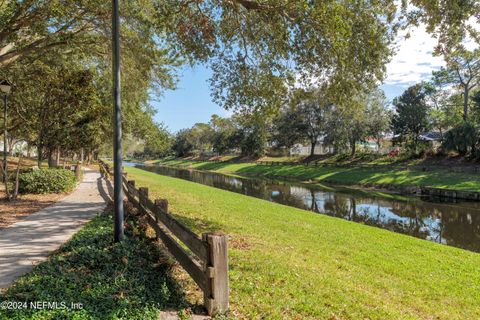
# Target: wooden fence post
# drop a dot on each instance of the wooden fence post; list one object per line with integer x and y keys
{"x": 143, "y": 195}
{"x": 216, "y": 268}
{"x": 162, "y": 204}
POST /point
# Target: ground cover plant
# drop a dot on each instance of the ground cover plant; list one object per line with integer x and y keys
{"x": 127, "y": 280}
{"x": 290, "y": 263}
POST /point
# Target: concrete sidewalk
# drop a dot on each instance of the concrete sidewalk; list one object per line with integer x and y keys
{"x": 31, "y": 240}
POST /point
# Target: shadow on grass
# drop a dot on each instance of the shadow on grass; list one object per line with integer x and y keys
{"x": 198, "y": 225}
{"x": 127, "y": 280}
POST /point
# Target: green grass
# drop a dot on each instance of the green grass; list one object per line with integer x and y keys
{"x": 128, "y": 280}
{"x": 374, "y": 176}
{"x": 289, "y": 263}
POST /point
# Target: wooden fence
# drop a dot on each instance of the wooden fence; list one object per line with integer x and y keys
{"x": 206, "y": 259}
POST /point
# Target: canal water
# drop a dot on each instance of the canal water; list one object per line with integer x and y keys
{"x": 448, "y": 222}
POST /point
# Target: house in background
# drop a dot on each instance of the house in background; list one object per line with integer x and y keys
{"x": 20, "y": 147}
{"x": 321, "y": 148}
{"x": 388, "y": 143}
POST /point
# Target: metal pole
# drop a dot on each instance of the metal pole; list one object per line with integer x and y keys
{"x": 117, "y": 142}
{"x": 5, "y": 167}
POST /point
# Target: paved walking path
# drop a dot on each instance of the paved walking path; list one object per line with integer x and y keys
{"x": 30, "y": 240}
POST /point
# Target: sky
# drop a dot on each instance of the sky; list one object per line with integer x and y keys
{"x": 191, "y": 102}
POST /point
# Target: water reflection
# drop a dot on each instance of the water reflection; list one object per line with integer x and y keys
{"x": 454, "y": 224}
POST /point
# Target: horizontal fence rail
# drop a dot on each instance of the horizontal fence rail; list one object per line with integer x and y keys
{"x": 206, "y": 259}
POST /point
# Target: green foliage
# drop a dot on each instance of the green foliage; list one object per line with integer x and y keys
{"x": 251, "y": 135}
{"x": 157, "y": 141}
{"x": 252, "y": 141}
{"x": 462, "y": 72}
{"x": 378, "y": 116}
{"x": 195, "y": 140}
{"x": 223, "y": 134}
{"x": 182, "y": 146}
{"x": 127, "y": 280}
{"x": 256, "y": 48}
{"x": 411, "y": 117}
{"x": 462, "y": 138}
{"x": 285, "y": 129}
{"x": 448, "y": 20}
{"x": 47, "y": 181}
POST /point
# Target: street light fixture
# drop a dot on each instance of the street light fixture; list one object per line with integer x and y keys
{"x": 5, "y": 87}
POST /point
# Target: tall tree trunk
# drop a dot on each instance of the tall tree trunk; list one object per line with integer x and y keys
{"x": 465, "y": 103}
{"x": 58, "y": 154}
{"x": 39, "y": 156}
{"x": 353, "y": 147}
{"x": 51, "y": 160}
{"x": 82, "y": 154}
{"x": 312, "y": 148}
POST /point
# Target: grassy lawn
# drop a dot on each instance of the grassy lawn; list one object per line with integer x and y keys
{"x": 290, "y": 263}
{"x": 439, "y": 178}
{"x": 129, "y": 280}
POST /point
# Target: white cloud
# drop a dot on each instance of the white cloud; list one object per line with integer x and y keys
{"x": 413, "y": 61}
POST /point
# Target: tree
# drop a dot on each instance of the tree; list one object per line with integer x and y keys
{"x": 223, "y": 134}
{"x": 411, "y": 114}
{"x": 357, "y": 128}
{"x": 312, "y": 123}
{"x": 33, "y": 27}
{"x": 201, "y": 136}
{"x": 347, "y": 125}
{"x": 54, "y": 107}
{"x": 476, "y": 107}
{"x": 449, "y": 21}
{"x": 182, "y": 145}
{"x": 157, "y": 141}
{"x": 463, "y": 71}
{"x": 378, "y": 115}
{"x": 251, "y": 134}
{"x": 287, "y": 128}
{"x": 445, "y": 108}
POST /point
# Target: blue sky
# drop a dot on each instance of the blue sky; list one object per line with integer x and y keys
{"x": 191, "y": 102}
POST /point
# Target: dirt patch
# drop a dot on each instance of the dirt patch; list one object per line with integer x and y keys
{"x": 239, "y": 243}
{"x": 24, "y": 205}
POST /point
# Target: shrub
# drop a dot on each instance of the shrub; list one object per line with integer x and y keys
{"x": 47, "y": 181}
{"x": 462, "y": 138}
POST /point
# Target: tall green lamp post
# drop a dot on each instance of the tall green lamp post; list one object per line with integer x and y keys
{"x": 117, "y": 141}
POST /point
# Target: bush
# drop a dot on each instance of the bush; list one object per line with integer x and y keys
{"x": 47, "y": 181}
{"x": 462, "y": 139}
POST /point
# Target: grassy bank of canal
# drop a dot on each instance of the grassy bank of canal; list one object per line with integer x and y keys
{"x": 290, "y": 263}
{"x": 371, "y": 176}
